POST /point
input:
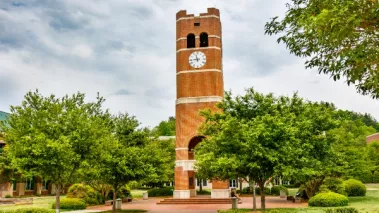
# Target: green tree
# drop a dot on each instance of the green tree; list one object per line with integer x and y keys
{"x": 259, "y": 136}
{"x": 127, "y": 156}
{"x": 350, "y": 148}
{"x": 162, "y": 158}
{"x": 55, "y": 137}
{"x": 165, "y": 128}
{"x": 338, "y": 37}
{"x": 372, "y": 157}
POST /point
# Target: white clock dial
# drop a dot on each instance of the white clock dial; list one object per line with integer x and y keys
{"x": 197, "y": 59}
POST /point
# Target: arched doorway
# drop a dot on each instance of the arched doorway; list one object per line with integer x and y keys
{"x": 191, "y": 146}
{"x": 185, "y": 175}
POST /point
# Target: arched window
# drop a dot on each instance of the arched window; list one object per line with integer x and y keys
{"x": 203, "y": 40}
{"x": 190, "y": 40}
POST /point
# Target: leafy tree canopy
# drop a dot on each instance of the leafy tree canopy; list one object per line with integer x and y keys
{"x": 165, "y": 128}
{"x": 338, "y": 37}
{"x": 54, "y": 138}
{"x": 258, "y": 136}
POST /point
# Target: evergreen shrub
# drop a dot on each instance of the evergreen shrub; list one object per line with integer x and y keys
{"x": 167, "y": 191}
{"x": 328, "y": 199}
{"x": 275, "y": 190}
{"x": 354, "y": 188}
{"x": 71, "y": 203}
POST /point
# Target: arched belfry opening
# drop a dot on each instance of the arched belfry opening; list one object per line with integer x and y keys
{"x": 192, "y": 144}
{"x": 203, "y": 40}
{"x": 191, "y": 40}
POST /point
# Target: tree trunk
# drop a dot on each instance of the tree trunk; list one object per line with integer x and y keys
{"x": 263, "y": 196}
{"x": 240, "y": 180}
{"x": 114, "y": 199}
{"x": 201, "y": 185}
{"x": 254, "y": 198}
{"x": 252, "y": 188}
{"x": 58, "y": 189}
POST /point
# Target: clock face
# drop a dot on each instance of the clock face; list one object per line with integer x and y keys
{"x": 197, "y": 59}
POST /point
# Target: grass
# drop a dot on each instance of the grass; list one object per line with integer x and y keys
{"x": 366, "y": 204}
{"x": 38, "y": 202}
{"x": 137, "y": 193}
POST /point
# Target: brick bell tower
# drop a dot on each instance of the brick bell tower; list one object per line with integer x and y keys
{"x": 199, "y": 85}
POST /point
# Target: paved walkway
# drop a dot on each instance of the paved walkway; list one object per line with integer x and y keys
{"x": 247, "y": 202}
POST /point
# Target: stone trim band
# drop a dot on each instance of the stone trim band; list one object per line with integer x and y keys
{"x": 181, "y": 148}
{"x": 193, "y": 17}
{"x": 198, "y": 48}
{"x": 195, "y": 71}
{"x": 209, "y": 36}
{"x": 201, "y": 99}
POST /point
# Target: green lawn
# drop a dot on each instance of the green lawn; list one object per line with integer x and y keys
{"x": 367, "y": 204}
{"x": 137, "y": 193}
{"x": 38, "y": 202}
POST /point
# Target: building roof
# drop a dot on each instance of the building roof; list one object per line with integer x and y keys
{"x": 373, "y": 137}
{"x": 4, "y": 116}
{"x": 163, "y": 138}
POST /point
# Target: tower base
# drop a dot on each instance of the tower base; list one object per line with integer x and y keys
{"x": 220, "y": 193}
{"x": 184, "y": 194}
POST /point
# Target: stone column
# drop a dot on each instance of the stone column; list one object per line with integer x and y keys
{"x": 6, "y": 189}
{"x": 38, "y": 186}
{"x": 220, "y": 189}
{"x": 184, "y": 179}
{"x": 20, "y": 188}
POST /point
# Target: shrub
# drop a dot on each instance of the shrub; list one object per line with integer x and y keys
{"x": 342, "y": 210}
{"x": 28, "y": 210}
{"x": 71, "y": 203}
{"x": 328, "y": 199}
{"x": 134, "y": 185}
{"x": 334, "y": 185}
{"x": 354, "y": 188}
{"x": 275, "y": 190}
{"x": 8, "y": 196}
{"x": 122, "y": 193}
{"x": 168, "y": 191}
{"x": 89, "y": 195}
{"x": 247, "y": 190}
{"x": 204, "y": 192}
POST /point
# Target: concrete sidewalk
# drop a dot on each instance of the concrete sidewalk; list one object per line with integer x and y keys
{"x": 151, "y": 205}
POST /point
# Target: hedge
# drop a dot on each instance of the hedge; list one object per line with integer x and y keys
{"x": 168, "y": 191}
{"x": 28, "y": 210}
{"x": 275, "y": 190}
{"x": 342, "y": 210}
{"x": 247, "y": 190}
{"x": 328, "y": 199}
{"x": 204, "y": 192}
{"x": 354, "y": 188}
{"x": 71, "y": 203}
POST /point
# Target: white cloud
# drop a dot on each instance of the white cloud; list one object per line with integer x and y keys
{"x": 125, "y": 49}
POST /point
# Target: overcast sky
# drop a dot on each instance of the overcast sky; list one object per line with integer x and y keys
{"x": 125, "y": 50}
